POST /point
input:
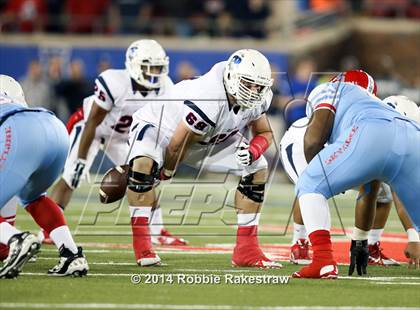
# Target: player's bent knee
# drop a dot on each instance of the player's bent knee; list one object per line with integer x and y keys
{"x": 252, "y": 188}
{"x": 309, "y": 185}
{"x": 142, "y": 174}
{"x": 260, "y": 176}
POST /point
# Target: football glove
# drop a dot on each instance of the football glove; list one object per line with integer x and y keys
{"x": 79, "y": 167}
{"x": 243, "y": 155}
{"x": 359, "y": 256}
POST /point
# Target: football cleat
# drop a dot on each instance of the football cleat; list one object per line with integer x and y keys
{"x": 166, "y": 238}
{"x": 149, "y": 258}
{"x": 377, "y": 257}
{"x": 263, "y": 263}
{"x": 299, "y": 252}
{"x": 70, "y": 264}
{"x": 22, "y": 247}
{"x": 252, "y": 257}
{"x": 318, "y": 271}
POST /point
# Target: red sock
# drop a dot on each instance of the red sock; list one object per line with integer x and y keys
{"x": 142, "y": 242}
{"x": 46, "y": 213}
{"x": 247, "y": 249}
{"x": 4, "y": 249}
{"x": 9, "y": 219}
{"x": 321, "y": 245}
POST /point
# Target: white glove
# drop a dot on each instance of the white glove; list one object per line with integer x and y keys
{"x": 79, "y": 167}
{"x": 243, "y": 155}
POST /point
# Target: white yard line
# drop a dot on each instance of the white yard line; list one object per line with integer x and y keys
{"x": 375, "y": 280}
{"x": 159, "y": 251}
{"x": 401, "y": 283}
{"x": 10, "y": 305}
{"x": 379, "y": 278}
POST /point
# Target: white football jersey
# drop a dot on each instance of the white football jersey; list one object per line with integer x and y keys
{"x": 115, "y": 92}
{"x": 203, "y": 106}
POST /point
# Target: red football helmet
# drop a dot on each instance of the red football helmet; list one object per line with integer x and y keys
{"x": 358, "y": 77}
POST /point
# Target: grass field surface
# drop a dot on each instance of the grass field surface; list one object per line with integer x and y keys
{"x": 203, "y": 215}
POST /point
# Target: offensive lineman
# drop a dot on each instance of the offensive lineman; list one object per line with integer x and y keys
{"x": 368, "y": 140}
{"x": 200, "y": 125}
{"x": 107, "y": 117}
{"x": 33, "y": 148}
{"x": 294, "y": 162}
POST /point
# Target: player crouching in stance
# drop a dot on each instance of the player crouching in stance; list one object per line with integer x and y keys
{"x": 33, "y": 150}
{"x": 368, "y": 140}
{"x": 199, "y": 124}
{"x": 106, "y": 119}
{"x": 292, "y": 156}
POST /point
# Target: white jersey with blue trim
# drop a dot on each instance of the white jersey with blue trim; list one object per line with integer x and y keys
{"x": 203, "y": 106}
{"x": 350, "y": 103}
{"x": 115, "y": 92}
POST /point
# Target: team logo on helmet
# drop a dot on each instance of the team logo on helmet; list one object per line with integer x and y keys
{"x": 236, "y": 59}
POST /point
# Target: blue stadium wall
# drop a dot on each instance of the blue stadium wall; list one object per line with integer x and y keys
{"x": 14, "y": 59}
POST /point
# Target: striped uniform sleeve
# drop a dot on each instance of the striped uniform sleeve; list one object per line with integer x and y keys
{"x": 197, "y": 118}
{"x": 324, "y": 96}
{"x": 103, "y": 95}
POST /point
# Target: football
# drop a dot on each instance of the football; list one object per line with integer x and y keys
{"x": 114, "y": 184}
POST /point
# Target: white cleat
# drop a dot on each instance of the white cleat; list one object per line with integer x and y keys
{"x": 22, "y": 246}
{"x": 70, "y": 264}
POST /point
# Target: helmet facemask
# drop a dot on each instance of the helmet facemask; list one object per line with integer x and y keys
{"x": 250, "y": 93}
{"x": 147, "y": 63}
{"x": 149, "y": 74}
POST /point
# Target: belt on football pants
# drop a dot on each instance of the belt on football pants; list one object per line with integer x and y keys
{"x": 11, "y": 113}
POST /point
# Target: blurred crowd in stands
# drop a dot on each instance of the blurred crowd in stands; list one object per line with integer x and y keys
{"x": 222, "y": 18}
{"x": 61, "y": 86}
{"x": 159, "y": 17}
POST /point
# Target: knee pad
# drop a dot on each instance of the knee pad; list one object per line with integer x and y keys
{"x": 142, "y": 182}
{"x": 255, "y": 192}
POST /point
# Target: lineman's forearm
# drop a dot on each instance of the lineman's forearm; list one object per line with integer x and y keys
{"x": 174, "y": 155}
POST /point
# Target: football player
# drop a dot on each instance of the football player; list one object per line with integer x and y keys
{"x": 106, "y": 119}
{"x": 367, "y": 140}
{"x": 294, "y": 163}
{"x": 33, "y": 149}
{"x": 200, "y": 124}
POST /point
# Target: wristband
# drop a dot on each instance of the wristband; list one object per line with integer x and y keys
{"x": 413, "y": 235}
{"x": 359, "y": 234}
{"x": 257, "y": 146}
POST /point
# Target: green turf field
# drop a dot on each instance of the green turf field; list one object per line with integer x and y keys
{"x": 196, "y": 214}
